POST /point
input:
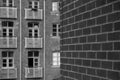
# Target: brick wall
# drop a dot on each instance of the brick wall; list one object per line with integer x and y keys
{"x": 90, "y": 39}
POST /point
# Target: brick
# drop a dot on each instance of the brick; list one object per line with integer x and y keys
{"x": 96, "y": 29}
{"x": 106, "y": 9}
{"x": 86, "y": 15}
{"x": 113, "y": 56}
{"x": 91, "y": 5}
{"x": 74, "y": 68}
{"x": 101, "y": 37}
{"x": 113, "y": 75}
{"x": 107, "y": 46}
{"x": 82, "y": 9}
{"x": 116, "y": 65}
{"x": 92, "y": 38}
{"x": 86, "y": 77}
{"x": 82, "y": 24}
{"x": 86, "y": 31}
{"x": 82, "y": 55}
{"x": 78, "y": 47}
{"x": 96, "y": 46}
{"x": 95, "y": 63}
{"x": 74, "y": 40}
{"x": 117, "y": 6}
{"x": 86, "y": 62}
{"x": 95, "y": 78}
{"x": 116, "y": 45}
{"x": 91, "y": 55}
{"x": 75, "y": 26}
{"x": 101, "y": 73}
{"x": 82, "y": 39}
{"x": 91, "y": 71}
{"x": 106, "y": 65}
{"x": 78, "y": 32}
{"x": 107, "y": 27}
{"x": 117, "y": 26}
{"x": 71, "y": 33}
{"x": 82, "y": 70}
{"x": 110, "y": 1}
{"x": 101, "y": 20}
{"x": 100, "y": 2}
{"x": 78, "y": 17}
{"x": 95, "y": 12}
{"x": 77, "y": 76}
{"x": 101, "y": 55}
{"x": 90, "y": 22}
{"x": 78, "y": 61}
{"x": 85, "y": 1}
{"x": 114, "y": 36}
{"x": 86, "y": 46}
{"x": 114, "y": 17}
{"x": 74, "y": 54}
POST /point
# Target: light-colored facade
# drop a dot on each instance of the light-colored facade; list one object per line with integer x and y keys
{"x": 28, "y": 40}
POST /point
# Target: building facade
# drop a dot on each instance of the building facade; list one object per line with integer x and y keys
{"x": 29, "y": 39}
{"x": 90, "y": 39}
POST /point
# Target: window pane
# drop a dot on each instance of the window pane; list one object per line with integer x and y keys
{"x": 10, "y": 61}
{"x": 4, "y": 23}
{"x": 10, "y": 54}
{"x": 10, "y": 65}
{"x": 4, "y": 61}
{"x": 36, "y": 60}
{"x": 30, "y": 4}
{"x": 30, "y": 62}
{"x": 30, "y": 54}
{"x": 4, "y": 54}
{"x": 10, "y": 24}
{"x": 54, "y": 6}
{"x": 35, "y": 4}
{"x": 30, "y": 24}
{"x": 4, "y": 65}
{"x": 36, "y": 53}
{"x": 36, "y": 64}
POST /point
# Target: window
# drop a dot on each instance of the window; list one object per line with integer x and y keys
{"x": 33, "y": 29}
{"x": 55, "y": 6}
{"x": 33, "y": 59}
{"x": 7, "y": 28}
{"x": 56, "y": 30}
{"x": 34, "y": 4}
{"x": 56, "y": 59}
{"x": 7, "y": 59}
{"x": 8, "y": 3}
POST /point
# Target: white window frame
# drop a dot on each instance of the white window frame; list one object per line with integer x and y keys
{"x": 34, "y": 59}
{"x": 55, "y": 6}
{"x": 56, "y": 59}
{"x": 57, "y": 30}
{"x": 8, "y": 58}
{"x": 8, "y": 3}
{"x": 33, "y": 28}
{"x": 7, "y": 28}
{"x": 33, "y": 4}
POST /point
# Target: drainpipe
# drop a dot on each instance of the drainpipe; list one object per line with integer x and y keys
{"x": 20, "y": 38}
{"x": 44, "y": 38}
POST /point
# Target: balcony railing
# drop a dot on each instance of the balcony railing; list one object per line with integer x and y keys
{"x": 31, "y": 14}
{"x": 10, "y": 73}
{"x": 8, "y": 12}
{"x": 33, "y": 72}
{"x": 33, "y": 42}
{"x": 8, "y": 42}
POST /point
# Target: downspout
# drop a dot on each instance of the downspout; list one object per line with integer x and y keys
{"x": 44, "y": 38}
{"x": 20, "y": 39}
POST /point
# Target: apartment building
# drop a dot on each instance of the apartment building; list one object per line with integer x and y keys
{"x": 90, "y": 39}
{"x": 29, "y": 40}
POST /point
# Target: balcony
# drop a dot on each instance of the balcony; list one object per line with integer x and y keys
{"x": 33, "y": 72}
{"x": 8, "y": 42}
{"x": 10, "y": 73}
{"x": 33, "y": 42}
{"x": 31, "y": 14}
{"x": 8, "y": 12}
